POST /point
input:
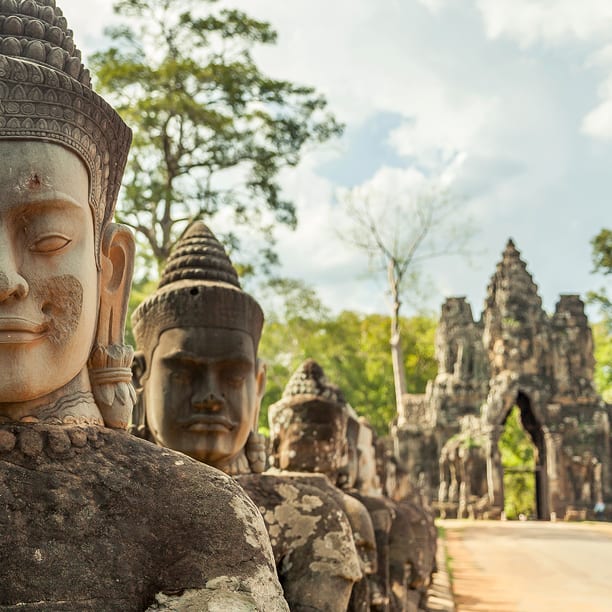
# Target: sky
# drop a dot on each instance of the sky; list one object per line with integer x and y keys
{"x": 507, "y": 102}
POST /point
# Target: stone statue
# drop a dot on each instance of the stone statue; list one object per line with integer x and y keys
{"x": 89, "y": 518}
{"x": 414, "y": 524}
{"x": 202, "y": 386}
{"x": 308, "y": 429}
{"x": 362, "y": 483}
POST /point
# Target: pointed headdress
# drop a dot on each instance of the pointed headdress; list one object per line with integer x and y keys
{"x": 199, "y": 288}
{"x": 46, "y": 94}
{"x": 308, "y": 389}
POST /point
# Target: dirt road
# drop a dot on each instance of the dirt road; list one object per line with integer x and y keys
{"x": 530, "y": 566}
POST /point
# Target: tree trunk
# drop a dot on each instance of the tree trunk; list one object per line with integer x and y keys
{"x": 399, "y": 375}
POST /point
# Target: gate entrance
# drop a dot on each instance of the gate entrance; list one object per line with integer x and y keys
{"x": 522, "y": 453}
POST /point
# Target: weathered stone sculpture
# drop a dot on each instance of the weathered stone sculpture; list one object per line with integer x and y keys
{"x": 515, "y": 355}
{"x": 415, "y": 523}
{"x": 308, "y": 428}
{"x": 202, "y": 386}
{"x": 361, "y": 482}
{"x": 89, "y": 518}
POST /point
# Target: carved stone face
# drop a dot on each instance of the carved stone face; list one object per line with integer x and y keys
{"x": 314, "y": 440}
{"x": 48, "y": 276}
{"x": 202, "y": 392}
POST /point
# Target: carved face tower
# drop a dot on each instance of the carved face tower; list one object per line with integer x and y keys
{"x": 198, "y": 333}
{"x": 65, "y": 270}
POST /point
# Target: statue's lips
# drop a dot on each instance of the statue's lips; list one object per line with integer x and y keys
{"x": 15, "y": 330}
{"x": 207, "y": 423}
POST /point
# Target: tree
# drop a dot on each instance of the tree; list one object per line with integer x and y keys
{"x": 602, "y": 331}
{"x": 602, "y": 252}
{"x": 352, "y": 349}
{"x": 399, "y": 232}
{"x": 518, "y": 459}
{"x": 603, "y": 359}
{"x": 211, "y": 131}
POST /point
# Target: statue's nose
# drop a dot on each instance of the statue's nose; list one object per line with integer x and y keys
{"x": 207, "y": 395}
{"x": 12, "y": 284}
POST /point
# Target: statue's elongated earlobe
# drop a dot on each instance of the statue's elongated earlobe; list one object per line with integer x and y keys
{"x": 110, "y": 363}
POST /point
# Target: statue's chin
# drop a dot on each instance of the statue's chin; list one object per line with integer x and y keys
{"x": 27, "y": 390}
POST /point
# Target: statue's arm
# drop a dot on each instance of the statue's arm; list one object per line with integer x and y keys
{"x": 219, "y": 555}
{"x": 219, "y": 597}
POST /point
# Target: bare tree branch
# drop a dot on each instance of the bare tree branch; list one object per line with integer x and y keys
{"x": 401, "y": 242}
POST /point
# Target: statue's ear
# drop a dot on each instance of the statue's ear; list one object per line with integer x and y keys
{"x": 117, "y": 268}
{"x": 261, "y": 378}
{"x": 110, "y": 361}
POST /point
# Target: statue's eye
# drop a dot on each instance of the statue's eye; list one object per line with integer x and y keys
{"x": 234, "y": 380}
{"x": 50, "y": 244}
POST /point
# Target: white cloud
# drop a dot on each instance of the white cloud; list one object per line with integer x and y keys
{"x": 435, "y": 6}
{"x": 550, "y": 21}
{"x": 508, "y": 119}
{"x": 88, "y": 21}
{"x": 598, "y": 122}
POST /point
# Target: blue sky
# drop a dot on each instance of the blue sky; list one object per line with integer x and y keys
{"x": 510, "y": 100}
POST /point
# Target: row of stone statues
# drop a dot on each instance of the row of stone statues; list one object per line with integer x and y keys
{"x": 340, "y": 539}
{"x": 183, "y": 515}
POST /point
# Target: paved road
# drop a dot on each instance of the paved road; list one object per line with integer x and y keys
{"x": 530, "y": 566}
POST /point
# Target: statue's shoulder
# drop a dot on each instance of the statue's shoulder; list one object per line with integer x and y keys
{"x": 173, "y": 523}
{"x": 212, "y": 533}
{"x": 306, "y": 524}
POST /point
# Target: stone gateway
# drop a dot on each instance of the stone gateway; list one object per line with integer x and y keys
{"x": 516, "y": 354}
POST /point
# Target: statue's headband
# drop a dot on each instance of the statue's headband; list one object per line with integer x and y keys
{"x": 46, "y": 95}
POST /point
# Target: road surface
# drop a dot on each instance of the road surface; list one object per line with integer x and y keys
{"x": 530, "y": 566}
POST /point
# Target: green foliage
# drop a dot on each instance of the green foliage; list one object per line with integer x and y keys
{"x": 602, "y": 331}
{"x": 141, "y": 290}
{"x": 602, "y": 252}
{"x": 352, "y": 348}
{"x": 603, "y": 359}
{"x": 211, "y": 131}
{"x": 517, "y": 453}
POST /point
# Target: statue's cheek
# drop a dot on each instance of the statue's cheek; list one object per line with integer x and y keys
{"x": 61, "y": 301}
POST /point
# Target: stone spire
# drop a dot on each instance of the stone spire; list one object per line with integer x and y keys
{"x": 512, "y": 286}
{"x": 515, "y": 325}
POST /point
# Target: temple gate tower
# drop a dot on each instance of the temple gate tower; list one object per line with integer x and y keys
{"x": 515, "y": 355}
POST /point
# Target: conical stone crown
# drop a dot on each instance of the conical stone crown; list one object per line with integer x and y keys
{"x": 199, "y": 256}
{"x": 309, "y": 379}
{"x": 36, "y": 30}
{"x": 199, "y": 288}
{"x": 46, "y": 95}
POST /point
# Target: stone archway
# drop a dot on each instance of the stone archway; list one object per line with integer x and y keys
{"x": 535, "y": 431}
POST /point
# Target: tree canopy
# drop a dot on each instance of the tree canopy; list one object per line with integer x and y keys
{"x": 602, "y": 330}
{"x": 602, "y": 252}
{"x": 211, "y": 130}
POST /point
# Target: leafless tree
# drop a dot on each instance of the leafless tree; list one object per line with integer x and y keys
{"x": 399, "y": 233}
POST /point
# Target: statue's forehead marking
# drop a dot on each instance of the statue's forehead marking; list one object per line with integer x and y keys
{"x": 35, "y": 182}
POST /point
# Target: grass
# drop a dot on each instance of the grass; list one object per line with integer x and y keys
{"x": 448, "y": 558}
